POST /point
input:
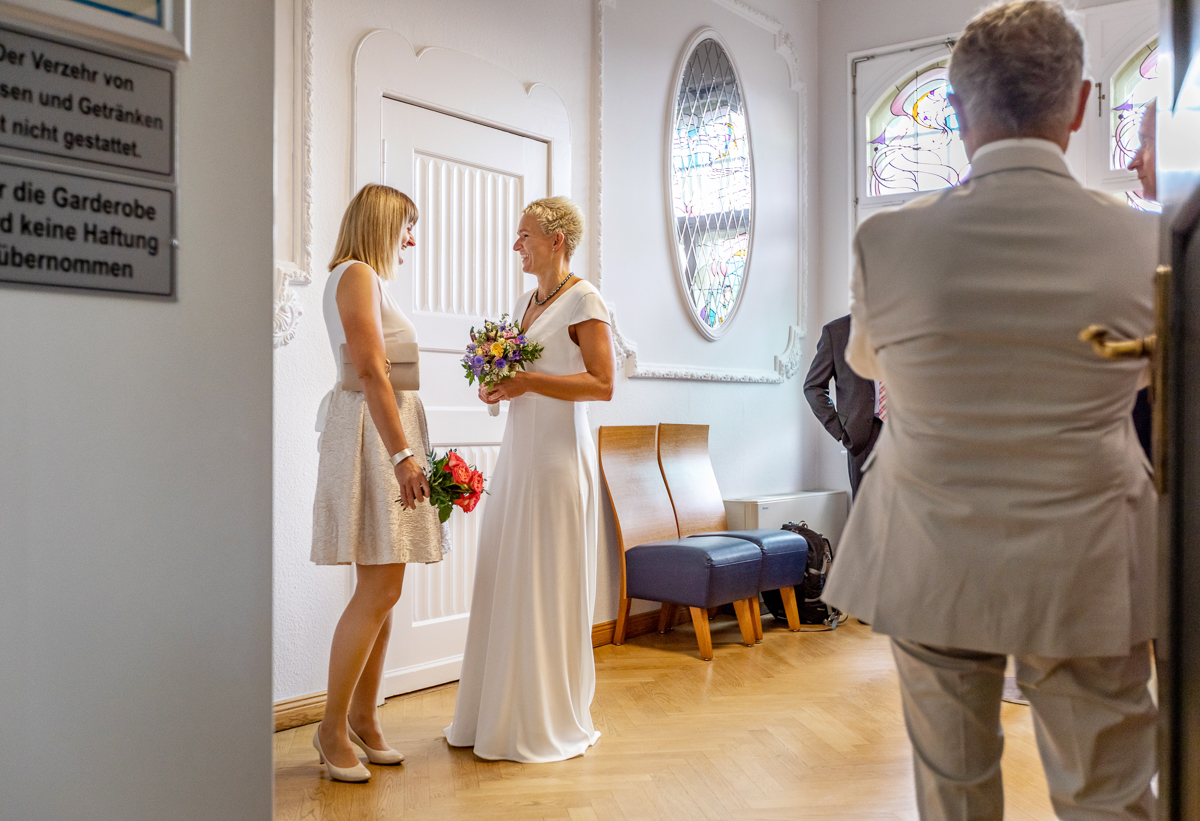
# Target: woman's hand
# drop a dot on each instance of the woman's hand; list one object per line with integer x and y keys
{"x": 483, "y": 395}
{"x": 509, "y": 388}
{"x": 414, "y": 487}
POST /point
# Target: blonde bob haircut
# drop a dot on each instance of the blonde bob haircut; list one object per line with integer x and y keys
{"x": 371, "y": 228}
{"x": 556, "y": 215}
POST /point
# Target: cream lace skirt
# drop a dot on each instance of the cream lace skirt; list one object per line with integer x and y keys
{"x": 357, "y": 515}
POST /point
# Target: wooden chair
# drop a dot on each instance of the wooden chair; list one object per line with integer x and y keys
{"x": 657, "y": 565}
{"x": 700, "y": 510}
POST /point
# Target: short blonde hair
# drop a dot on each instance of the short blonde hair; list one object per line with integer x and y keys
{"x": 1019, "y": 65}
{"x": 371, "y": 228}
{"x": 556, "y": 215}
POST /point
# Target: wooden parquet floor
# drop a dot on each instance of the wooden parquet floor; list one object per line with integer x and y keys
{"x": 803, "y": 726}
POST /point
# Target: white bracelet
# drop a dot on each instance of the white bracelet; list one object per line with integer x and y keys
{"x": 397, "y": 458}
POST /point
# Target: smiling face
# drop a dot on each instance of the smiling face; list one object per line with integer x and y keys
{"x": 406, "y": 241}
{"x": 537, "y": 248}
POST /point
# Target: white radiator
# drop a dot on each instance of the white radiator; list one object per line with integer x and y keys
{"x": 825, "y": 511}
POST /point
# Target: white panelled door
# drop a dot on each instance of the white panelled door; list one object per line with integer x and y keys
{"x": 470, "y": 182}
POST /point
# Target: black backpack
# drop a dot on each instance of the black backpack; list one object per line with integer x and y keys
{"x": 808, "y": 592}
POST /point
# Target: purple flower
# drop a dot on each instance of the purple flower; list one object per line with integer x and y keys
{"x": 515, "y": 356}
{"x": 477, "y": 361}
{"x": 501, "y": 364}
{"x": 521, "y": 339}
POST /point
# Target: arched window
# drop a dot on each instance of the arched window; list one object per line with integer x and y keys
{"x": 1133, "y": 86}
{"x": 913, "y": 144}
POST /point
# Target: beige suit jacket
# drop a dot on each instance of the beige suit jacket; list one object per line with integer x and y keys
{"x": 1007, "y": 507}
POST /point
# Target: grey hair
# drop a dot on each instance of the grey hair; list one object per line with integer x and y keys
{"x": 1019, "y": 66}
{"x": 558, "y": 214}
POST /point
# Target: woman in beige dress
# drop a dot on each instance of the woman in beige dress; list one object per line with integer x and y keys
{"x": 372, "y": 503}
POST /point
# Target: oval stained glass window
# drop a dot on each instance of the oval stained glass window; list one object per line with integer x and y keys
{"x": 712, "y": 186}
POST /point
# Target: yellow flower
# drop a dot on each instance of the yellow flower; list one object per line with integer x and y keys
{"x": 497, "y": 349}
{"x": 479, "y": 351}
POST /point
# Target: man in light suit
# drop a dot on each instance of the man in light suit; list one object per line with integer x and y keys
{"x": 854, "y": 421}
{"x": 1007, "y": 508}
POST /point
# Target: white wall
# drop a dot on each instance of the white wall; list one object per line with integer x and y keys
{"x": 845, "y": 27}
{"x": 757, "y": 443}
{"x": 135, "y": 474}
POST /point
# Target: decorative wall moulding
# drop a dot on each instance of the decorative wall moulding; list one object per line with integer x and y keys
{"x": 159, "y": 28}
{"x": 287, "y": 310}
{"x": 783, "y": 41}
{"x": 297, "y": 270}
{"x": 626, "y": 354}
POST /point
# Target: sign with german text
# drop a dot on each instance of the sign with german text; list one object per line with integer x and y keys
{"x": 80, "y": 232}
{"x": 76, "y": 103}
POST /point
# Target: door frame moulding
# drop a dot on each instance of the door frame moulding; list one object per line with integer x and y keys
{"x": 788, "y": 362}
{"x": 454, "y": 83}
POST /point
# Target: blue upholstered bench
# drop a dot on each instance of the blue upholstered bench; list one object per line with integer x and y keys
{"x": 784, "y": 562}
{"x": 696, "y": 572}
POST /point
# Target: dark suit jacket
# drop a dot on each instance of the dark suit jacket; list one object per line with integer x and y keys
{"x": 852, "y": 422}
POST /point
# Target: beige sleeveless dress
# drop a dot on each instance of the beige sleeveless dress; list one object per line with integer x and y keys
{"x": 357, "y": 515}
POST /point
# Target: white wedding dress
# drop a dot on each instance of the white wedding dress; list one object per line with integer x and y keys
{"x": 528, "y": 675}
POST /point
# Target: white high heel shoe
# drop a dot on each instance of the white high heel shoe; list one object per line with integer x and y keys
{"x": 358, "y": 772}
{"x": 388, "y": 756}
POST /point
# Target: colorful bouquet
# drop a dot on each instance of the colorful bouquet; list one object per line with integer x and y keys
{"x": 453, "y": 483}
{"x": 498, "y": 351}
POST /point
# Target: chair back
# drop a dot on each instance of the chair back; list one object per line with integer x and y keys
{"x": 641, "y": 505}
{"x": 691, "y": 482}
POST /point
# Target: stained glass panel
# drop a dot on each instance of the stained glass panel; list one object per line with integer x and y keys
{"x": 914, "y": 140}
{"x": 1133, "y": 87}
{"x": 1135, "y": 199}
{"x": 711, "y": 186}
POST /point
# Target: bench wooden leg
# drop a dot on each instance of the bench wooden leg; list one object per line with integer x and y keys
{"x": 789, "y": 606}
{"x": 756, "y": 617}
{"x": 742, "y": 608}
{"x": 622, "y": 619}
{"x": 666, "y": 617}
{"x": 703, "y": 636}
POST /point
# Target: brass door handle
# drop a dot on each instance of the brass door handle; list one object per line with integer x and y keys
{"x": 1142, "y": 348}
{"x": 1147, "y": 347}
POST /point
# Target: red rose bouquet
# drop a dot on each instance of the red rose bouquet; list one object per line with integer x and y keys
{"x": 453, "y": 483}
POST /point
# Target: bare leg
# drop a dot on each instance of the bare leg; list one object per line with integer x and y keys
{"x": 363, "y": 716}
{"x": 354, "y": 642}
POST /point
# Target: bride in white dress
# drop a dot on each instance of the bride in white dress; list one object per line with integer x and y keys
{"x": 528, "y": 675}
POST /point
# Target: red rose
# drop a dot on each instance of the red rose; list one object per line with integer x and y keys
{"x": 468, "y": 503}
{"x": 459, "y": 470}
{"x": 476, "y": 482}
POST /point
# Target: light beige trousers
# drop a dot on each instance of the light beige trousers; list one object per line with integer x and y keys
{"x": 1093, "y": 718}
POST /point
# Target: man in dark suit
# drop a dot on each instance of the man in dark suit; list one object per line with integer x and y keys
{"x": 853, "y": 421}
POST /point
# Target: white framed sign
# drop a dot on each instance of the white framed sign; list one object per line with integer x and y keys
{"x": 159, "y": 27}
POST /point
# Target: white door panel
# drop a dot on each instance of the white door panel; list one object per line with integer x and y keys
{"x": 470, "y": 182}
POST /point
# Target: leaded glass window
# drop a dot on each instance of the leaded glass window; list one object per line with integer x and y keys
{"x": 712, "y": 186}
{"x": 914, "y": 143}
{"x": 1133, "y": 87}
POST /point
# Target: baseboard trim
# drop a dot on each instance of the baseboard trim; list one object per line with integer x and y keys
{"x": 301, "y": 710}
{"x": 298, "y": 711}
{"x": 639, "y": 624}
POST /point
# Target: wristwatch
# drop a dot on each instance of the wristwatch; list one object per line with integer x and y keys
{"x": 397, "y": 458}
